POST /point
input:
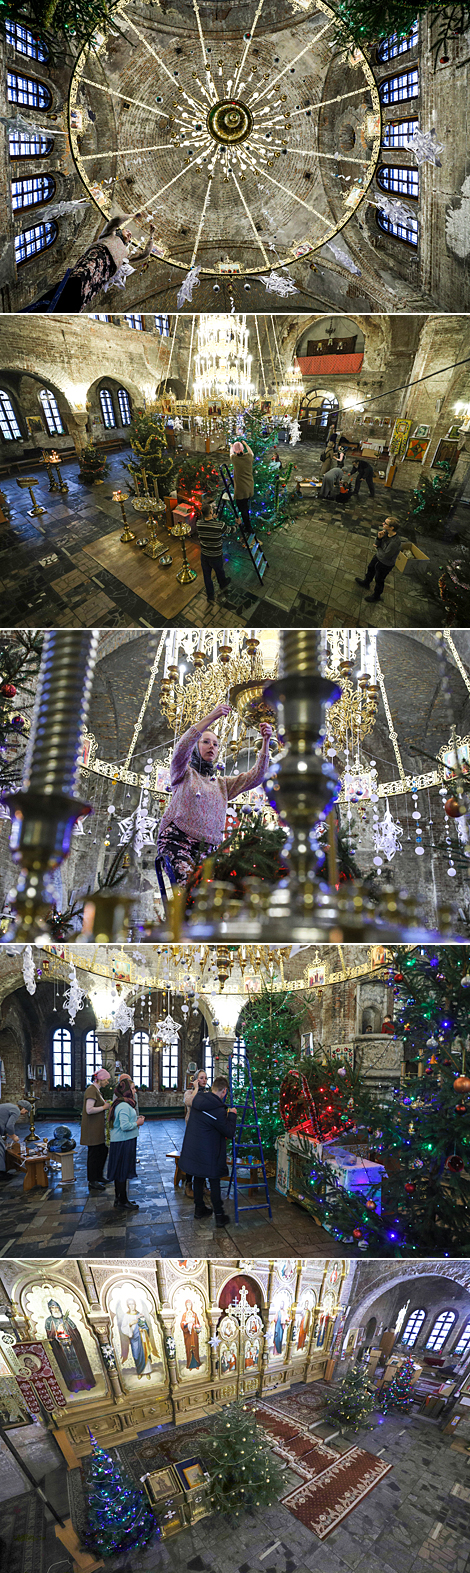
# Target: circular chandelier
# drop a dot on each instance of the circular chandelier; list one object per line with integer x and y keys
{"x": 223, "y": 361}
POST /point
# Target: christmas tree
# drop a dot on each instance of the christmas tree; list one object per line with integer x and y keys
{"x": 56, "y": 20}
{"x": 147, "y": 438}
{"x": 269, "y": 506}
{"x": 253, "y": 850}
{"x": 245, "y": 1474}
{"x": 93, "y": 464}
{"x": 454, "y": 588}
{"x": 366, "y": 22}
{"x": 399, "y": 1394}
{"x": 119, "y": 1516}
{"x": 352, "y": 1401}
{"x": 430, "y": 504}
{"x": 20, "y": 656}
{"x": 198, "y": 475}
{"x": 270, "y": 1028}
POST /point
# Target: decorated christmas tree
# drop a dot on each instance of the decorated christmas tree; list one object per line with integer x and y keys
{"x": 198, "y": 475}
{"x": 430, "y": 504}
{"x": 399, "y": 1394}
{"x": 93, "y": 464}
{"x": 269, "y": 506}
{"x": 454, "y": 587}
{"x": 20, "y": 656}
{"x": 253, "y": 850}
{"x": 270, "y": 1027}
{"x": 147, "y": 438}
{"x": 244, "y": 1473}
{"x": 119, "y": 1516}
{"x": 351, "y": 1402}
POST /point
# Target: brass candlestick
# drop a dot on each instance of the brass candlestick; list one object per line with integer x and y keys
{"x": 28, "y": 481}
{"x": 32, "y": 1129}
{"x": 186, "y": 574}
{"x": 121, "y": 498}
{"x": 55, "y": 459}
{"x": 53, "y": 484}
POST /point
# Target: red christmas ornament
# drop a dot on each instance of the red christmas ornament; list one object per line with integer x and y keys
{"x": 454, "y": 1163}
{"x": 398, "y": 977}
{"x": 462, "y": 1084}
{"x": 18, "y": 722}
{"x": 9, "y": 690}
{"x": 409, "y": 1187}
{"x": 452, "y": 808}
{"x": 357, "y": 1234}
{"x": 461, "y": 1108}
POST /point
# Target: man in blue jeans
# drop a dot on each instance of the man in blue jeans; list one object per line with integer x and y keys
{"x": 209, "y": 534}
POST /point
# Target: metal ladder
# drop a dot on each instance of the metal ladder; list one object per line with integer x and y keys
{"x": 244, "y": 1142}
{"x": 260, "y": 562}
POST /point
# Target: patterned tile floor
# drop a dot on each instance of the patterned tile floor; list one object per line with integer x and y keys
{"x": 69, "y": 1221}
{"x": 68, "y": 568}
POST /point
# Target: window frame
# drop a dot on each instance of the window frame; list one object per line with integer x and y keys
{"x": 51, "y": 230}
{"x": 23, "y": 136}
{"x": 67, "y": 1033}
{"x": 34, "y": 181}
{"x": 442, "y": 1316}
{"x": 134, "y": 320}
{"x": 91, "y": 1033}
{"x": 165, "y": 1052}
{"x": 7, "y": 418}
{"x": 29, "y": 101}
{"x": 45, "y": 396}
{"x": 104, "y": 394}
{"x": 464, "y": 1336}
{"x": 125, "y": 397}
{"x": 420, "y": 1312}
{"x": 408, "y": 120}
{"x": 38, "y": 48}
{"x": 384, "y": 226}
{"x": 400, "y": 169}
{"x": 139, "y": 1082}
{"x": 400, "y": 76}
{"x": 404, "y": 45}
{"x": 162, "y": 324}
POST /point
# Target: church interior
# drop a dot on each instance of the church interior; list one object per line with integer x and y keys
{"x": 350, "y": 1058}
{"x": 357, "y": 831}
{"x": 257, "y": 151}
{"x": 126, "y": 1387}
{"x": 114, "y": 429}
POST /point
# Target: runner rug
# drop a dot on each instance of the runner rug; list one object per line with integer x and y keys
{"x": 323, "y": 1501}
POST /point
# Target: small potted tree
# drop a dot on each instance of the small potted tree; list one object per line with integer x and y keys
{"x": 93, "y": 465}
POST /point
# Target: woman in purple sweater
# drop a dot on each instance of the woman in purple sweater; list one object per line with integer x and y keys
{"x": 193, "y": 824}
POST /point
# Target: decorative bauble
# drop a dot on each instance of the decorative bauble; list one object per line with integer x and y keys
{"x": 452, "y": 808}
{"x": 409, "y": 1187}
{"x": 9, "y": 690}
{"x": 357, "y": 1234}
{"x": 462, "y": 1084}
{"x": 18, "y": 722}
{"x": 461, "y": 1108}
{"x": 465, "y": 981}
{"x": 398, "y": 977}
{"x": 431, "y": 1043}
{"x": 371, "y": 1207}
{"x": 417, "y": 1163}
{"x": 454, "y": 1163}
{"x": 341, "y": 1071}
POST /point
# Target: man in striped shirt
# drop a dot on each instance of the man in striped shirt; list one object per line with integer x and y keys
{"x": 209, "y": 534}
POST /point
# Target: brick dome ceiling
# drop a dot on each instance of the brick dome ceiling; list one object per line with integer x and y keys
{"x": 235, "y": 128}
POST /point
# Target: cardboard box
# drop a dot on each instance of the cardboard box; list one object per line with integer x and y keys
{"x": 408, "y": 551}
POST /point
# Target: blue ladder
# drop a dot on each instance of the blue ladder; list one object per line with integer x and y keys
{"x": 248, "y": 1120}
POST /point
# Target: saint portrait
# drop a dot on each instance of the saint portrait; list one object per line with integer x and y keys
{"x": 279, "y": 1321}
{"x": 190, "y": 1330}
{"x": 58, "y": 1321}
{"x": 68, "y": 1349}
{"x": 135, "y": 1334}
{"x": 304, "y": 1317}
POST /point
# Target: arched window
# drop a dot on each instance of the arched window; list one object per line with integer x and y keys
{"x": 24, "y": 41}
{"x": 62, "y": 1057}
{"x": 395, "y": 133}
{"x": 29, "y": 193}
{"x": 107, "y": 408}
{"x": 408, "y": 231}
{"x": 394, "y": 177}
{"x": 392, "y": 46}
{"x": 93, "y": 1060}
{"x": 162, "y": 325}
{"x": 464, "y": 1341}
{"x": 27, "y": 90}
{"x": 33, "y": 240}
{"x": 51, "y": 412}
{"x": 396, "y": 88}
{"x": 141, "y": 1059}
{"x": 440, "y": 1332}
{"x": 124, "y": 407}
{"x": 8, "y": 423}
{"x": 328, "y": 410}
{"x": 413, "y": 1328}
{"x": 133, "y": 321}
{"x": 23, "y": 145}
{"x": 170, "y": 1065}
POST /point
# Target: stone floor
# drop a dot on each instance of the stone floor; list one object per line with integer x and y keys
{"x": 69, "y": 1221}
{"x": 69, "y": 568}
{"x": 416, "y": 1520}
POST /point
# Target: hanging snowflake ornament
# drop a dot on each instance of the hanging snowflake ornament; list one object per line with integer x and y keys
{"x": 387, "y": 837}
{"x": 28, "y": 970}
{"x": 124, "y": 1017}
{"x": 119, "y": 278}
{"x": 425, "y": 146}
{"x": 167, "y": 1029}
{"x": 74, "y": 998}
{"x": 189, "y": 283}
{"x": 279, "y": 283}
{"x": 394, "y": 209}
{"x": 342, "y": 257}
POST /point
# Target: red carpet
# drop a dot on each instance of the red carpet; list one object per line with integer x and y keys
{"x": 332, "y": 1484}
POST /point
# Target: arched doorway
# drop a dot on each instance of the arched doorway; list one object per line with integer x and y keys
{"x": 318, "y": 412}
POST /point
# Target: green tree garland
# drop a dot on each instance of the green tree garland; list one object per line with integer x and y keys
{"x": 252, "y": 851}
{"x": 364, "y": 23}
{"x": 150, "y": 452}
{"x": 245, "y": 1473}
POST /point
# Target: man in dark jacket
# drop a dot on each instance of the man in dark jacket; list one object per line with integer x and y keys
{"x": 363, "y": 472}
{"x": 387, "y": 548}
{"x": 204, "y": 1153}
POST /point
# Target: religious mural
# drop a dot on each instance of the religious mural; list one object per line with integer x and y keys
{"x": 190, "y": 1331}
{"x": 279, "y": 1318}
{"x": 304, "y": 1320}
{"x": 56, "y": 1318}
{"x": 135, "y": 1333}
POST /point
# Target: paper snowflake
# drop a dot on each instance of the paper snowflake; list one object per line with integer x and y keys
{"x": 119, "y": 278}
{"x": 124, "y": 1017}
{"x": 425, "y": 146}
{"x": 388, "y": 835}
{"x": 342, "y": 257}
{"x": 189, "y": 283}
{"x": 28, "y": 970}
{"x": 279, "y": 283}
{"x": 394, "y": 209}
{"x": 74, "y": 998}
